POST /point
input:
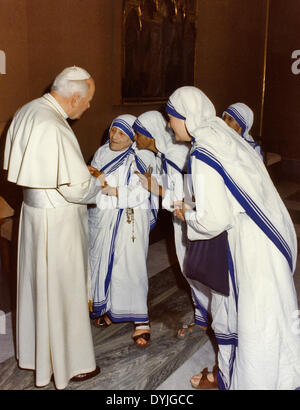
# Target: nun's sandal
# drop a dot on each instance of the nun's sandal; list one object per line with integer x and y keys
{"x": 141, "y": 334}
{"x": 102, "y": 321}
{"x": 204, "y": 382}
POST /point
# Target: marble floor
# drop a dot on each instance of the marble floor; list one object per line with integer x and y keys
{"x": 124, "y": 365}
{"x": 166, "y": 364}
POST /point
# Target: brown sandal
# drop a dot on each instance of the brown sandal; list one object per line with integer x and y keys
{"x": 102, "y": 321}
{"x": 145, "y": 336}
{"x": 206, "y": 384}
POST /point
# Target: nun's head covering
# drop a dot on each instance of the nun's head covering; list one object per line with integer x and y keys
{"x": 125, "y": 123}
{"x": 192, "y": 105}
{"x": 243, "y": 115}
{"x": 203, "y": 125}
{"x": 235, "y": 160}
{"x": 153, "y": 125}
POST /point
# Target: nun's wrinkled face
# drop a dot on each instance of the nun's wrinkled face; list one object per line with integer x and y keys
{"x": 118, "y": 140}
{"x": 179, "y": 128}
{"x": 144, "y": 142}
{"x": 232, "y": 123}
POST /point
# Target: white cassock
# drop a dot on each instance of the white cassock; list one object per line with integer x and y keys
{"x": 119, "y": 279}
{"x": 53, "y": 328}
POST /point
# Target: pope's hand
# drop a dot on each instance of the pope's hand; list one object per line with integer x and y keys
{"x": 98, "y": 174}
{"x": 94, "y": 171}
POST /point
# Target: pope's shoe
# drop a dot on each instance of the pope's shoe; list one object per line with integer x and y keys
{"x": 85, "y": 376}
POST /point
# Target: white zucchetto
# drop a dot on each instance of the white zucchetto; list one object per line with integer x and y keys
{"x": 74, "y": 74}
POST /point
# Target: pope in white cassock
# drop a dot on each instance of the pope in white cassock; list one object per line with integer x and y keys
{"x": 43, "y": 156}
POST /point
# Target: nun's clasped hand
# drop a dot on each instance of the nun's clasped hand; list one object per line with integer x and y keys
{"x": 149, "y": 182}
{"x": 179, "y": 214}
{"x": 181, "y": 208}
{"x": 109, "y": 190}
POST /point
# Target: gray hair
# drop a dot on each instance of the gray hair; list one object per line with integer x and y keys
{"x": 70, "y": 81}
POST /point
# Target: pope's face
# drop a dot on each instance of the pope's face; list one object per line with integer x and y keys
{"x": 179, "y": 128}
{"x": 232, "y": 123}
{"x": 81, "y": 104}
{"x": 118, "y": 140}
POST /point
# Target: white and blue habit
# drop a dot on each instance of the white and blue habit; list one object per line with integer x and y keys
{"x": 171, "y": 163}
{"x": 244, "y": 116}
{"x": 119, "y": 280}
{"x": 254, "y": 326}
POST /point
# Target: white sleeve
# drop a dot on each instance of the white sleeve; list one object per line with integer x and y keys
{"x": 168, "y": 200}
{"x": 96, "y": 161}
{"x": 214, "y": 212}
{"x": 84, "y": 193}
{"x": 259, "y": 151}
{"x": 175, "y": 191}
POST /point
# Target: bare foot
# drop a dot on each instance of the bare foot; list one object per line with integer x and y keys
{"x": 182, "y": 333}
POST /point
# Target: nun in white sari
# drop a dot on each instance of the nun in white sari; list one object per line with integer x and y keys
{"x": 254, "y": 325}
{"x": 171, "y": 160}
{"x": 240, "y": 118}
{"x": 119, "y": 232}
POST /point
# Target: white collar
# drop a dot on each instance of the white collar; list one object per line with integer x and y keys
{"x": 51, "y": 99}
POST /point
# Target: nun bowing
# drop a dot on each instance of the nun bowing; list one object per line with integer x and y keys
{"x": 253, "y": 325}
{"x": 153, "y": 133}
